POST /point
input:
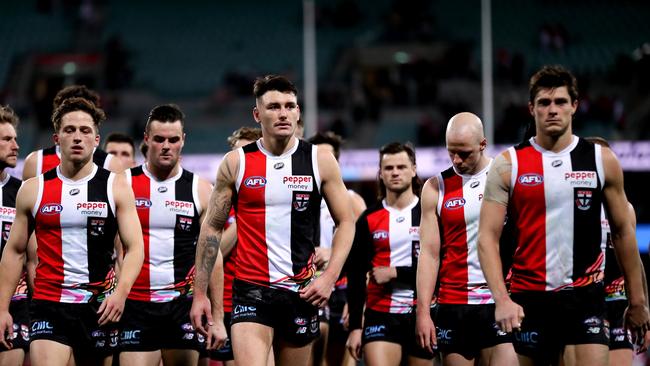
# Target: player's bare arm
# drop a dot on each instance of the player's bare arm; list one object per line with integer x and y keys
{"x": 29, "y": 168}
{"x": 207, "y": 248}
{"x": 131, "y": 236}
{"x": 14, "y": 253}
{"x": 637, "y": 317}
{"x": 428, "y": 264}
{"x": 115, "y": 165}
{"x": 228, "y": 239}
{"x": 508, "y": 315}
{"x": 337, "y": 200}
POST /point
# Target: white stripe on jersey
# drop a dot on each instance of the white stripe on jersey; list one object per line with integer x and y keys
{"x": 278, "y": 213}
{"x": 401, "y": 237}
{"x": 161, "y": 230}
{"x": 74, "y": 236}
{"x": 559, "y": 220}
{"x": 326, "y": 225}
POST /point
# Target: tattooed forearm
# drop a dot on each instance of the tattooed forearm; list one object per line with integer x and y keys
{"x": 211, "y": 252}
{"x": 206, "y": 255}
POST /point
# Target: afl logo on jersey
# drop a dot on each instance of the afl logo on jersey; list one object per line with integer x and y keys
{"x": 531, "y": 179}
{"x": 454, "y": 203}
{"x": 380, "y": 235}
{"x": 255, "y": 182}
{"x": 51, "y": 209}
{"x": 142, "y": 203}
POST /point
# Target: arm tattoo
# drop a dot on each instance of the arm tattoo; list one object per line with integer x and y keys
{"x": 211, "y": 252}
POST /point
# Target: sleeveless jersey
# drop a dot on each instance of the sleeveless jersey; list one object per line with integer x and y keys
{"x": 614, "y": 280}
{"x": 8, "y": 191}
{"x": 556, "y": 204}
{"x": 229, "y": 268}
{"x": 49, "y": 158}
{"x": 385, "y": 237}
{"x": 75, "y": 229}
{"x": 278, "y": 206}
{"x": 169, "y": 213}
{"x": 459, "y": 204}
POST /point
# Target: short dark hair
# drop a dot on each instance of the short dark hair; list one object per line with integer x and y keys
{"x": 396, "y": 148}
{"x": 273, "y": 82}
{"x": 165, "y": 113}
{"x": 76, "y": 91}
{"x": 7, "y": 115}
{"x": 78, "y": 104}
{"x": 244, "y": 133}
{"x": 119, "y": 137}
{"x": 550, "y": 77}
{"x": 329, "y": 138}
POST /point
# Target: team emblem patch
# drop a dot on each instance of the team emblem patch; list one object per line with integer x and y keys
{"x": 97, "y": 227}
{"x": 6, "y": 228}
{"x": 301, "y": 202}
{"x": 583, "y": 199}
{"x": 184, "y": 223}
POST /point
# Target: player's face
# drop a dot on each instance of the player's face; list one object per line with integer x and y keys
{"x": 77, "y": 137}
{"x": 165, "y": 142}
{"x": 553, "y": 111}
{"x": 241, "y": 142}
{"x": 397, "y": 172}
{"x": 465, "y": 152}
{"x": 8, "y": 146}
{"x": 277, "y": 113}
{"x": 123, "y": 151}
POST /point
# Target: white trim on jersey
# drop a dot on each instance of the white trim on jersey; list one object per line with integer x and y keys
{"x": 242, "y": 168}
{"x": 314, "y": 164}
{"x": 600, "y": 169}
{"x": 39, "y": 162}
{"x": 39, "y": 195}
{"x": 107, "y": 161}
{"x": 514, "y": 170}
{"x": 109, "y": 193}
{"x": 441, "y": 193}
{"x": 195, "y": 194}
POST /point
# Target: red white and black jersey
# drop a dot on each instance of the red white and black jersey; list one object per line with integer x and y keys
{"x": 556, "y": 205}
{"x": 459, "y": 206}
{"x": 75, "y": 229}
{"x": 8, "y": 190}
{"x": 49, "y": 158}
{"x": 229, "y": 267}
{"x": 614, "y": 280}
{"x": 384, "y": 237}
{"x": 278, "y": 207}
{"x": 169, "y": 213}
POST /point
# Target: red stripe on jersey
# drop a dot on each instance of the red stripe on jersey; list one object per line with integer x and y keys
{"x": 251, "y": 263}
{"x": 141, "y": 185}
{"x": 529, "y": 207}
{"x": 379, "y": 296}
{"x": 50, "y": 161}
{"x": 229, "y": 268}
{"x": 49, "y": 271}
{"x": 453, "y": 269}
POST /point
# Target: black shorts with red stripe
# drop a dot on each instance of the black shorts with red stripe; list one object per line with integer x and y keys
{"x": 74, "y": 325}
{"x": 151, "y": 326}
{"x": 393, "y": 328}
{"x": 19, "y": 311}
{"x": 467, "y": 329}
{"x": 619, "y": 337}
{"x": 556, "y": 319}
{"x": 291, "y": 318}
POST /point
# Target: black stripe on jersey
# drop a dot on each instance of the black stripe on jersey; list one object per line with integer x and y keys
{"x": 186, "y": 230}
{"x": 9, "y": 192}
{"x": 100, "y": 231}
{"x": 587, "y": 233}
{"x": 305, "y": 210}
{"x": 137, "y": 171}
{"x": 50, "y": 174}
{"x": 49, "y": 150}
{"x": 99, "y": 157}
{"x": 415, "y": 248}
{"x": 448, "y": 173}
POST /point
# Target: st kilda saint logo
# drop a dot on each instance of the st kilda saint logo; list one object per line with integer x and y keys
{"x": 583, "y": 199}
{"x": 301, "y": 202}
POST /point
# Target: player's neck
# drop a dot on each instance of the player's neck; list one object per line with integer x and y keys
{"x": 3, "y": 175}
{"x": 400, "y": 200}
{"x": 554, "y": 143}
{"x": 482, "y": 163}
{"x": 162, "y": 173}
{"x": 76, "y": 170}
{"x": 278, "y": 145}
